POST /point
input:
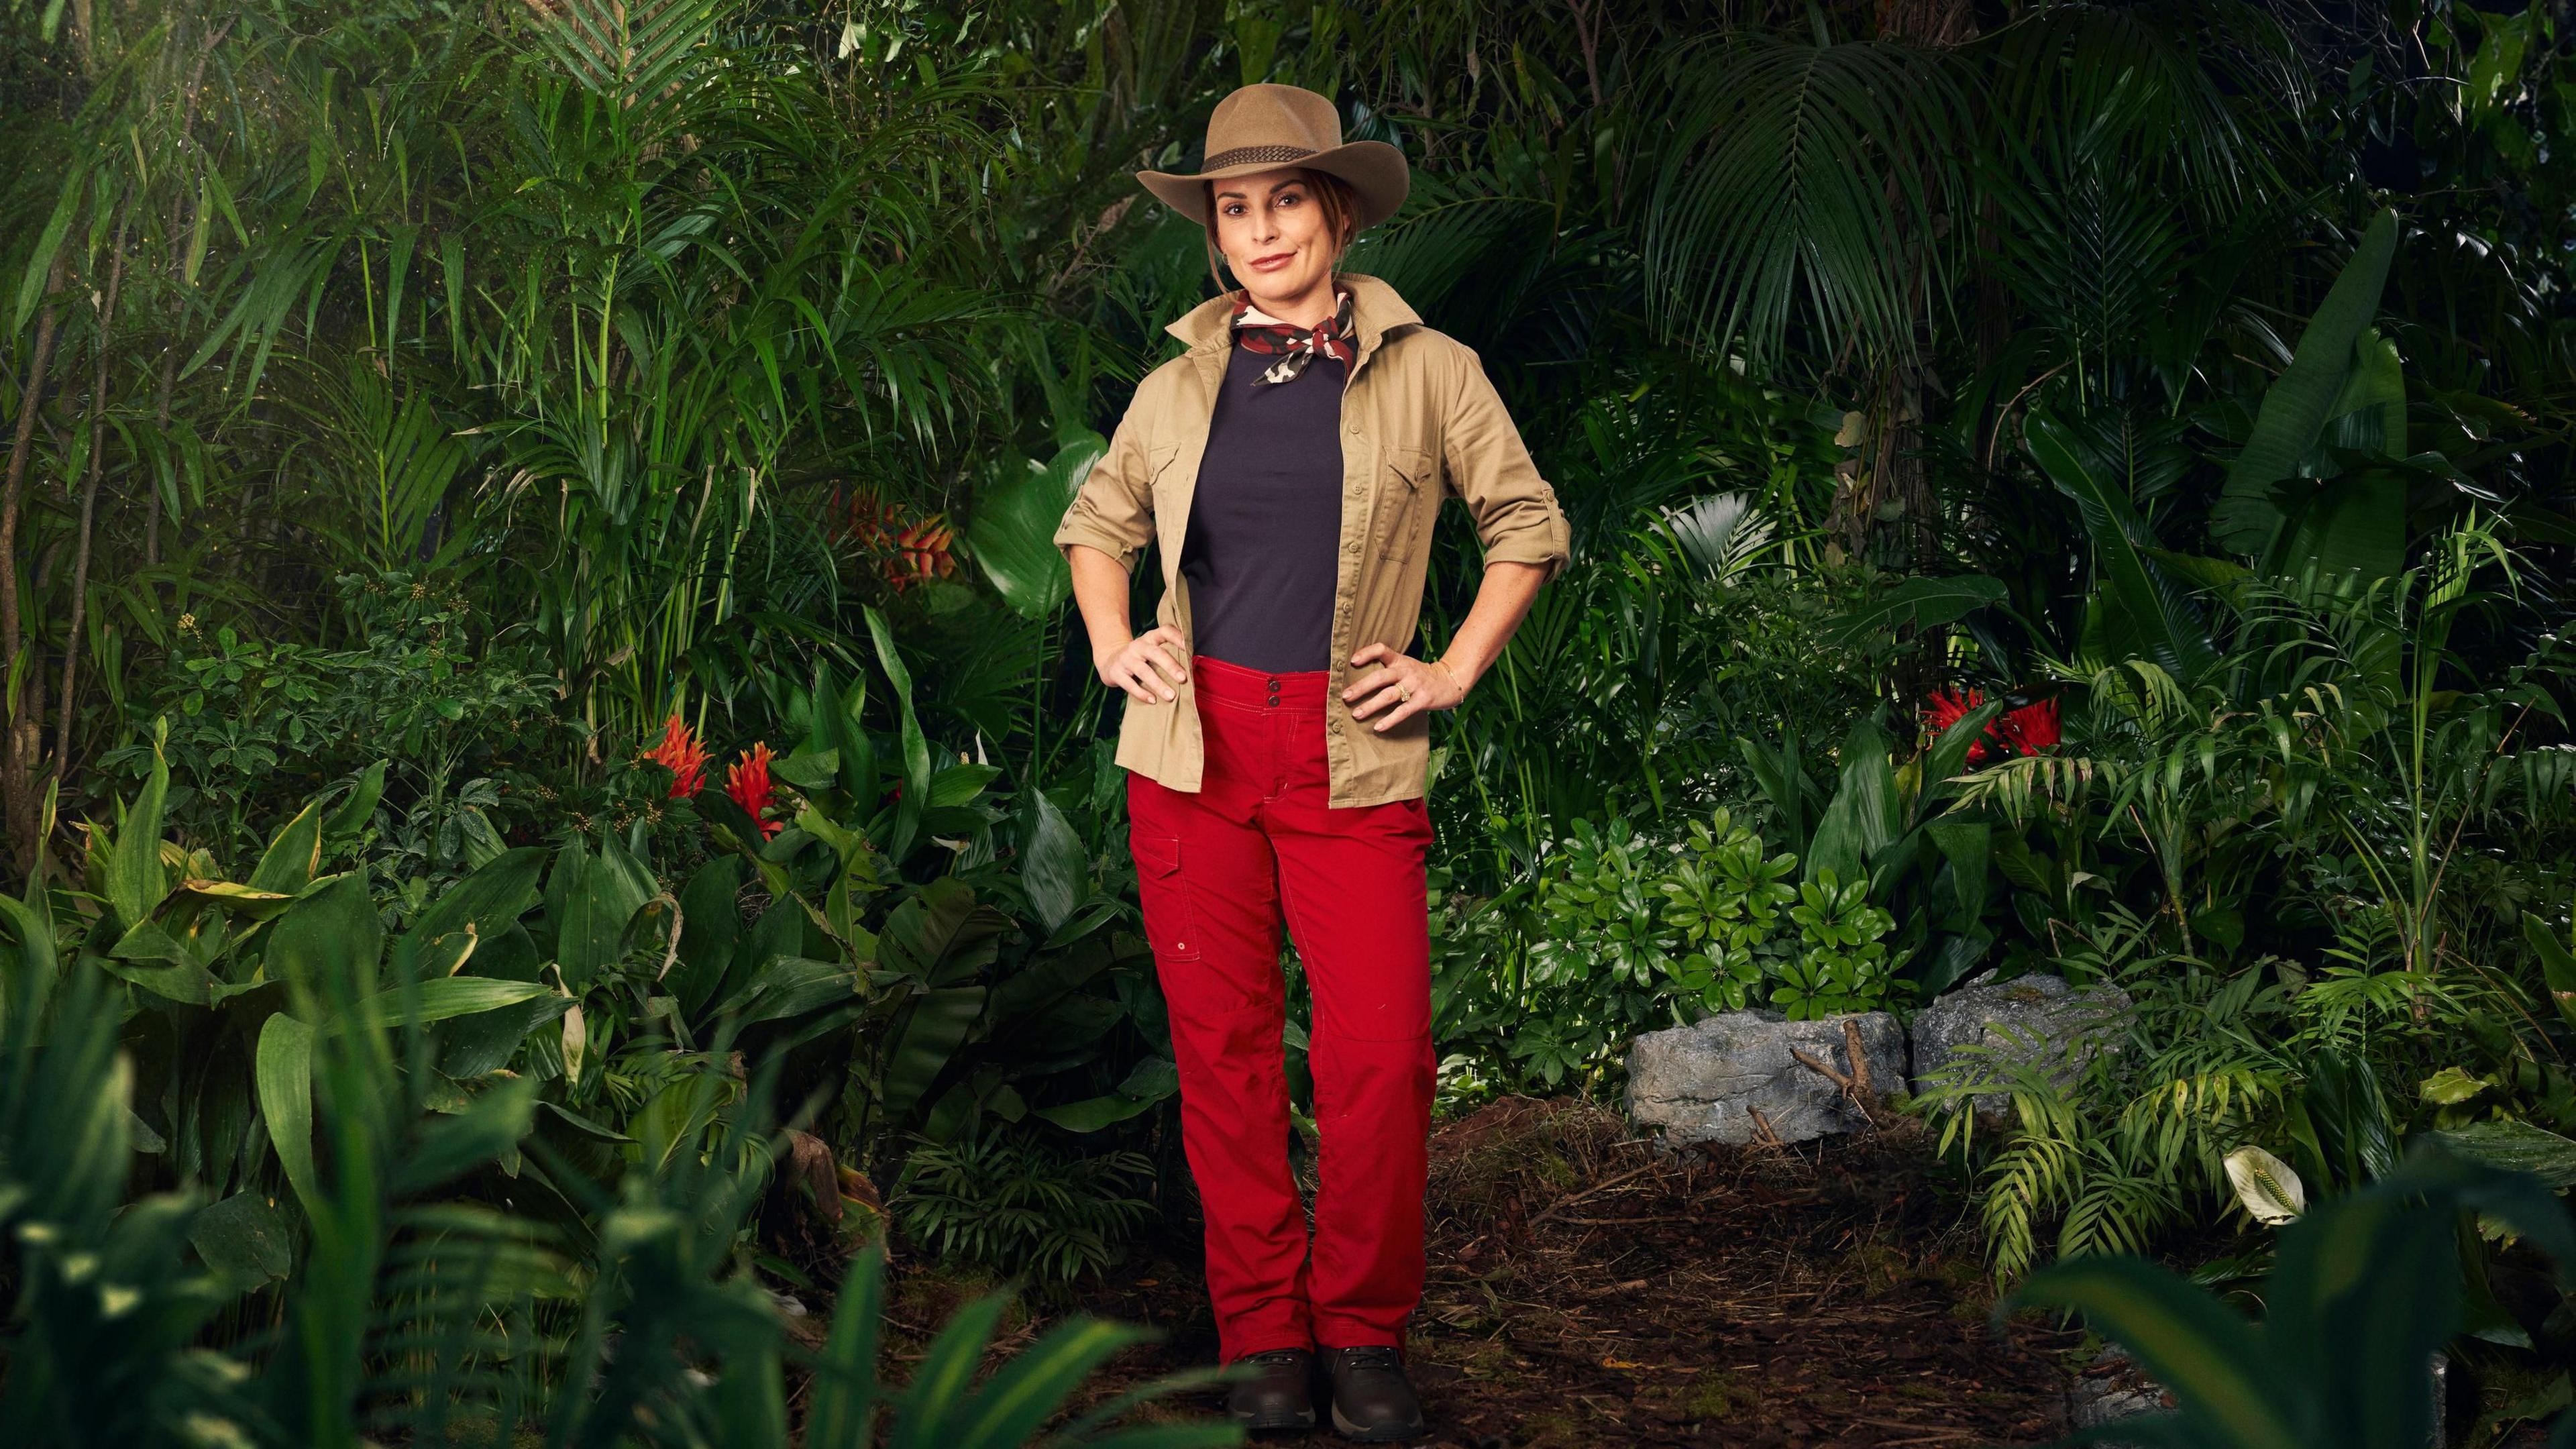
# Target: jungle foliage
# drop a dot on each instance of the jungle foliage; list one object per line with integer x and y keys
{"x": 532, "y": 649}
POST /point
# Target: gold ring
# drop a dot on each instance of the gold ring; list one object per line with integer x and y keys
{"x": 1404, "y": 694}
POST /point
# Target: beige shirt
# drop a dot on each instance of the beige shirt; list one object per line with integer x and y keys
{"x": 1420, "y": 423}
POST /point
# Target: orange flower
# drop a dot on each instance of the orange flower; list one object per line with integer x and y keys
{"x": 922, "y": 551}
{"x": 747, "y": 781}
{"x": 683, "y": 755}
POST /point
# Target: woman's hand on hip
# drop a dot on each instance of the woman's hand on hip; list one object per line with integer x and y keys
{"x": 1401, "y": 686}
{"x": 1146, "y": 666}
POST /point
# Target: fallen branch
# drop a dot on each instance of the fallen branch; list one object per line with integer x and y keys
{"x": 1855, "y": 1084}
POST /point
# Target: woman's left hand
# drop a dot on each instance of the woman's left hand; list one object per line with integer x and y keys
{"x": 1401, "y": 685}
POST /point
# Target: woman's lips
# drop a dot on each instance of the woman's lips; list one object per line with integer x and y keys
{"x": 1272, "y": 264}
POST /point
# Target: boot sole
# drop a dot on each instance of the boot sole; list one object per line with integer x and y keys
{"x": 1383, "y": 1434}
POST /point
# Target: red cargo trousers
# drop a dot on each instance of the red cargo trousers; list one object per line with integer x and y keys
{"x": 1216, "y": 870}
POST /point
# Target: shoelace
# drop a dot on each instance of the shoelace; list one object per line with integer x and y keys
{"x": 1276, "y": 1355}
{"x": 1370, "y": 1356}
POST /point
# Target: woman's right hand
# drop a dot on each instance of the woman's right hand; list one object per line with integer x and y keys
{"x": 1143, "y": 665}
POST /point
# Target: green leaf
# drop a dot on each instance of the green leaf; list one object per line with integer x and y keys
{"x": 180, "y": 977}
{"x": 2152, "y": 615}
{"x": 593, "y": 899}
{"x": 326, "y": 947}
{"x": 446, "y": 997}
{"x": 283, "y": 1073}
{"x": 2214, "y": 1364}
{"x": 293, "y": 856}
{"x": 710, "y": 932}
{"x": 916, "y": 745}
{"x": 935, "y": 1029}
{"x": 2298, "y": 404}
{"x": 1013, "y": 530}
{"x": 2449, "y": 1087}
{"x": 845, "y": 1380}
{"x": 451, "y": 1146}
{"x": 1863, "y": 816}
{"x": 2515, "y": 1147}
{"x": 244, "y": 1239}
{"x": 359, "y": 807}
{"x": 1053, "y": 869}
{"x": 490, "y": 900}
{"x": 1925, "y": 603}
{"x": 135, "y": 882}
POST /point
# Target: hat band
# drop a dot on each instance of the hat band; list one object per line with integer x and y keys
{"x": 1241, "y": 154}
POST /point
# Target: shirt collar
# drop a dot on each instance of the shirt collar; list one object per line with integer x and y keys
{"x": 1376, "y": 309}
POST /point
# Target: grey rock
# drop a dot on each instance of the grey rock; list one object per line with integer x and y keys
{"x": 2113, "y": 1389}
{"x": 2029, "y": 1018}
{"x": 1726, "y": 1078}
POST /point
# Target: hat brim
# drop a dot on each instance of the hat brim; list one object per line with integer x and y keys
{"x": 1375, "y": 170}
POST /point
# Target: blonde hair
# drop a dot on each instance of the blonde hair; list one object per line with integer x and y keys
{"x": 1341, "y": 207}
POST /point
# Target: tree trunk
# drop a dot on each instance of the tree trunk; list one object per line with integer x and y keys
{"x": 19, "y": 731}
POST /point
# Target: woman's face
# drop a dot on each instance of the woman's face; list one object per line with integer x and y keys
{"x": 1274, "y": 237}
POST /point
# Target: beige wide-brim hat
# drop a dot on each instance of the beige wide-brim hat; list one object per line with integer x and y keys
{"x": 1265, "y": 125}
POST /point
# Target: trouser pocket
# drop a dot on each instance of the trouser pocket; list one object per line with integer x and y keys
{"x": 1169, "y": 923}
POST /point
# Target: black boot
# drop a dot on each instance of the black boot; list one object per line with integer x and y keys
{"x": 1279, "y": 1392}
{"x": 1373, "y": 1402}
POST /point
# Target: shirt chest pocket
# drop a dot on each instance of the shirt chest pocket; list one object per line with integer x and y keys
{"x": 1407, "y": 493}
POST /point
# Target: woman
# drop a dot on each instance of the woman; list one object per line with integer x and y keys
{"x": 1291, "y": 464}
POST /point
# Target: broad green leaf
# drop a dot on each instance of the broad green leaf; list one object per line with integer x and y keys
{"x": 710, "y": 932}
{"x": 940, "y": 936}
{"x": 283, "y": 1073}
{"x": 153, "y": 959}
{"x": 1925, "y": 603}
{"x": 1153, "y": 1080}
{"x": 293, "y": 856}
{"x": 1013, "y": 530}
{"x": 135, "y": 880}
{"x": 1863, "y": 816}
{"x": 244, "y": 1239}
{"x": 916, "y": 745}
{"x": 935, "y": 1028}
{"x": 446, "y": 997}
{"x": 1053, "y": 869}
{"x": 593, "y": 899}
{"x": 490, "y": 900}
{"x": 244, "y": 902}
{"x": 457, "y": 1144}
{"x": 2210, "y": 1359}
{"x": 2298, "y": 403}
{"x": 326, "y": 947}
{"x": 2152, "y": 615}
{"x": 354, "y": 811}
{"x": 2515, "y": 1147}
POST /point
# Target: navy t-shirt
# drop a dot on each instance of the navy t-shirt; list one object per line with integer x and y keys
{"x": 1266, "y": 517}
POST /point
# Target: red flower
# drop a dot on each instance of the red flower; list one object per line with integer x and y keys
{"x": 748, "y": 783}
{"x": 1948, "y": 709}
{"x": 683, "y": 755}
{"x": 2027, "y": 730}
{"x": 2031, "y": 728}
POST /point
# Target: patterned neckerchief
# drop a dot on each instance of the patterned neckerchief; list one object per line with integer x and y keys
{"x": 1258, "y": 331}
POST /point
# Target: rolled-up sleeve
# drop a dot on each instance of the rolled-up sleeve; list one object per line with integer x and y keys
{"x": 1113, "y": 510}
{"x": 1489, "y": 467}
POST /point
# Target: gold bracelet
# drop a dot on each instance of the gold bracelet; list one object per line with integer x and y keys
{"x": 1443, "y": 666}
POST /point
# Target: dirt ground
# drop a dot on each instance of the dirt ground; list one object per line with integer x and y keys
{"x": 1585, "y": 1290}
